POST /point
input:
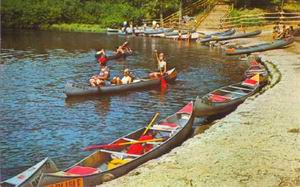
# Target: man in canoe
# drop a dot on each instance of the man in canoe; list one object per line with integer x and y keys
{"x": 127, "y": 78}
{"x": 162, "y": 65}
{"x": 102, "y": 78}
{"x": 123, "y": 48}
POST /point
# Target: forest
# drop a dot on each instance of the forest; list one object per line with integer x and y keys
{"x": 103, "y": 13}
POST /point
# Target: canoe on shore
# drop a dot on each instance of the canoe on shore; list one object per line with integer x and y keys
{"x": 222, "y": 33}
{"x": 31, "y": 176}
{"x": 225, "y": 99}
{"x": 110, "y": 30}
{"x": 111, "y": 162}
{"x": 160, "y": 32}
{"x": 80, "y": 90}
{"x": 260, "y": 47}
{"x": 222, "y": 38}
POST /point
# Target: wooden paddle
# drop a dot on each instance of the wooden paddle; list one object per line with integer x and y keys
{"x": 107, "y": 146}
{"x": 150, "y": 124}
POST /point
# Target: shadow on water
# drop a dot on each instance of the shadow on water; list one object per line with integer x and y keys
{"x": 38, "y": 121}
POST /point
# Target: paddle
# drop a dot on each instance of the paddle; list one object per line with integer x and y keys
{"x": 150, "y": 124}
{"x": 109, "y": 146}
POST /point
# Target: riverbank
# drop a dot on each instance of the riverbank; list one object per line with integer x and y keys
{"x": 256, "y": 145}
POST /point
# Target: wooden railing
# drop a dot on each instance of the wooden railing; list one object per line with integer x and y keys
{"x": 202, "y": 5}
{"x": 261, "y": 19}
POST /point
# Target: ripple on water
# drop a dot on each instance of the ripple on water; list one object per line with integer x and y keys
{"x": 36, "y": 121}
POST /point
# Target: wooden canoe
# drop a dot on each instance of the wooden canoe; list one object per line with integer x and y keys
{"x": 72, "y": 89}
{"x": 31, "y": 176}
{"x": 222, "y": 33}
{"x": 175, "y": 129}
{"x": 222, "y": 38}
{"x": 260, "y": 47}
{"x": 223, "y": 100}
{"x": 117, "y": 56}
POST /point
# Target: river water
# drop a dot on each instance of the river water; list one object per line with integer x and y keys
{"x": 36, "y": 119}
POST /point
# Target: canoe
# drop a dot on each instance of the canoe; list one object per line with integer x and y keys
{"x": 257, "y": 69}
{"x": 110, "y": 30}
{"x": 117, "y": 56}
{"x": 222, "y": 33}
{"x": 222, "y": 38}
{"x": 225, "y": 99}
{"x": 107, "y": 164}
{"x": 79, "y": 90}
{"x": 31, "y": 176}
{"x": 260, "y": 47}
{"x": 157, "y": 32}
{"x": 174, "y": 33}
{"x": 130, "y": 32}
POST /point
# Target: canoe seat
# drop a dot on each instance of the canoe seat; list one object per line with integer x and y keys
{"x": 168, "y": 126}
{"x": 250, "y": 82}
{"x": 81, "y": 170}
{"x": 218, "y": 98}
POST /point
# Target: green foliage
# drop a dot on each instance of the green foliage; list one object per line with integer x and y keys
{"x": 34, "y": 13}
{"x": 292, "y": 7}
{"x": 256, "y": 3}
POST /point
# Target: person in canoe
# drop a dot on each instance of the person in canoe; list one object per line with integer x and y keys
{"x": 127, "y": 78}
{"x": 102, "y": 78}
{"x": 162, "y": 65}
{"x": 123, "y": 48}
{"x": 101, "y": 56}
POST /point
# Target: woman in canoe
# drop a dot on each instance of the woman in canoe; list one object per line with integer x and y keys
{"x": 127, "y": 78}
{"x": 162, "y": 65}
{"x": 102, "y": 78}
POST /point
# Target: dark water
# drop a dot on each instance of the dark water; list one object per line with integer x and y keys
{"x": 36, "y": 121}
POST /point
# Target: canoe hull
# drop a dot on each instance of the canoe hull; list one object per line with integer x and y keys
{"x": 75, "y": 90}
{"x": 260, "y": 48}
{"x": 222, "y": 38}
{"x": 31, "y": 176}
{"x": 96, "y": 179}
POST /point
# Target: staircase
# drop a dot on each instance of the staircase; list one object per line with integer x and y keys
{"x": 201, "y": 5}
{"x": 214, "y": 17}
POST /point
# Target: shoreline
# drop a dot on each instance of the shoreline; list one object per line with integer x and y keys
{"x": 256, "y": 145}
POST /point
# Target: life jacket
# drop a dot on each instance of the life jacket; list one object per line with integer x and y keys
{"x": 102, "y": 60}
{"x": 139, "y": 149}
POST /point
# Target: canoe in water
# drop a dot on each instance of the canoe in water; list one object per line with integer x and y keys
{"x": 261, "y": 47}
{"x": 117, "y": 56}
{"x": 79, "y": 90}
{"x": 225, "y": 99}
{"x": 222, "y": 38}
{"x": 111, "y": 162}
{"x": 31, "y": 176}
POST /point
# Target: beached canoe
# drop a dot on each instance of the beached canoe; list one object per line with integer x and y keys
{"x": 222, "y": 38}
{"x": 222, "y": 33}
{"x": 160, "y": 32}
{"x": 114, "y": 161}
{"x": 31, "y": 176}
{"x": 260, "y": 47}
{"x": 110, "y": 30}
{"x": 225, "y": 99}
{"x": 117, "y": 56}
{"x": 79, "y": 90}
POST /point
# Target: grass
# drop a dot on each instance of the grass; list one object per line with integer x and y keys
{"x": 291, "y": 7}
{"x": 74, "y": 27}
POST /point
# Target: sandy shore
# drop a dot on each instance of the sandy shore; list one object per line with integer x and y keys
{"x": 256, "y": 145}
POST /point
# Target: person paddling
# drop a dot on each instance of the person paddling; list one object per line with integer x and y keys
{"x": 101, "y": 57}
{"x": 102, "y": 77}
{"x": 162, "y": 65}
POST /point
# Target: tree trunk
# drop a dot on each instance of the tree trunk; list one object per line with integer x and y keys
{"x": 180, "y": 11}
